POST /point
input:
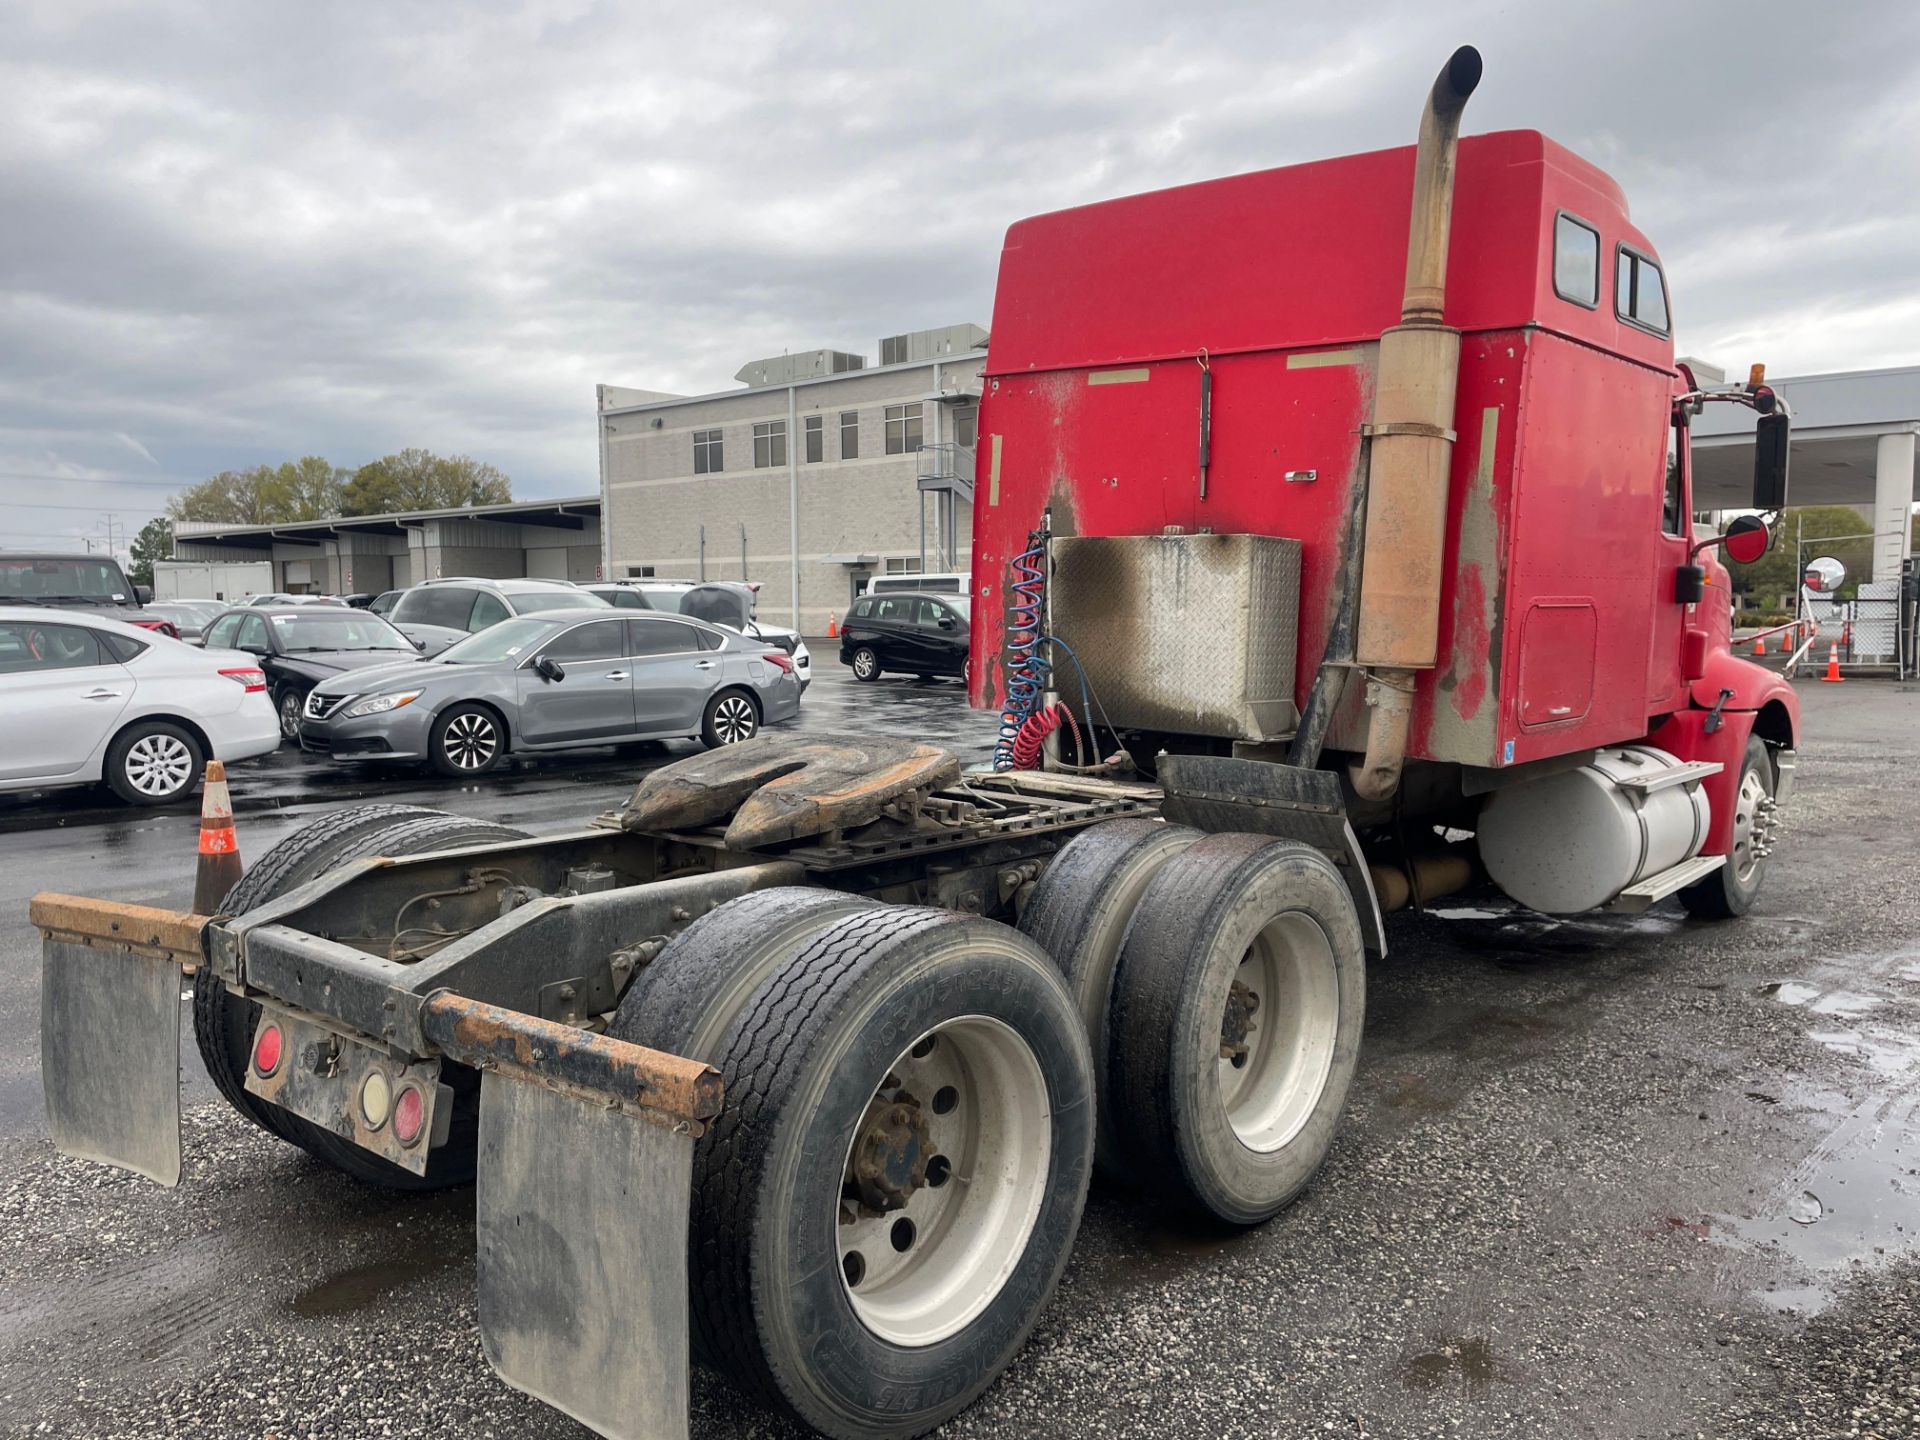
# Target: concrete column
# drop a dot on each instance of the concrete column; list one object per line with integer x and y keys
{"x": 1892, "y": 505}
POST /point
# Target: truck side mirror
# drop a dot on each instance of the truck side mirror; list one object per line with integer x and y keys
{"x": 143, "y": 593}
{"x": 1770, "y": 462}
{"x": 1747, "y": 539}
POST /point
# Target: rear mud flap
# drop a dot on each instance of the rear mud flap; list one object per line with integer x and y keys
{"x": 110, "y": 1056}
{"x": 1214, "y": 793}
{"x": 581, "y": 1220}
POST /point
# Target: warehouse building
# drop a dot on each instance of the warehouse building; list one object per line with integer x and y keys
{"x": 545, "y": 539}
{"x": 821, "y": 473}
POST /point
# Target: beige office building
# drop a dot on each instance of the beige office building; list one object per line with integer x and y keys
{"x": 819, "y": 474}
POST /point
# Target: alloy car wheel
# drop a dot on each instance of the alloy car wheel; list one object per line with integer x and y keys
{"x": 290, "y": 702}
{"x": 159, "y": 765}
{"x": 470, "y": 741}
{"x": 734, "y": 719}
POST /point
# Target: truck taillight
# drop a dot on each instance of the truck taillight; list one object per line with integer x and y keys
{"x": 780, "y": 658}
{"x": 409, "y": 1114}
{"x": 267, "y": 1048}
{"x": 252, "y": 677}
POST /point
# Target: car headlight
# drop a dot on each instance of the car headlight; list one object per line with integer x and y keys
{"x": 380, "y": 704}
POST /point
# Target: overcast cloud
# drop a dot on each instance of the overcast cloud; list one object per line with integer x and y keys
{"x": 245, "y": 232}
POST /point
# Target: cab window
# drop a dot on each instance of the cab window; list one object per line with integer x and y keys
{"x": 1576, "y": 261}
{"x": 1673, "y": 515}
{"x": 1639, "y": 291}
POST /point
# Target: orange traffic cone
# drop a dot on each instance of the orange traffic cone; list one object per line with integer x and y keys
{"x": 220, "y": 869}
{"x": 1759, "y": 645}
{"x": 833, "y": 626}
{"x": 1832, "y": 676}
{"x": 1786, "y": 642}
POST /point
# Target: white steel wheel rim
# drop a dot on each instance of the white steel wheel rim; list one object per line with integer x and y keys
{"x": 968, "y": 1231}
{"x": 1746, "y": 815}
{"x": 733, "y": 719}
{"x": 470, "y": 741}
{"x": 863, "y": 664}
{"x": 158, "y": 764}
{"x": 1271, "y": 1094}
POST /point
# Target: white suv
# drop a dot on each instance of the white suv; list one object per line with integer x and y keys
{"x": 90, "y": 699}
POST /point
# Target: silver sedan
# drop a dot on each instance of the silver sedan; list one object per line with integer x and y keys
{"x": 558, "y": 680}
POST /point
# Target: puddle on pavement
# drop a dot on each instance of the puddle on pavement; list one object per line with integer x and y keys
{"x": 1818, "y": 999}
{"x": 355, "y": 1289}
{"x": 1854, "y": 1199}
{"x": 1467, "y": 1364}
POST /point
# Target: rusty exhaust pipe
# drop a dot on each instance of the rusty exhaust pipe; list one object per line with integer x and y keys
{"x": 1410, "y": 451}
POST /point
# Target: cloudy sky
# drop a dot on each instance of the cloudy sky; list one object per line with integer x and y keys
{"x": 244, "y": 232}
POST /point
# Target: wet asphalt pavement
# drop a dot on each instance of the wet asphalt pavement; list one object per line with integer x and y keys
{"x": 1602, "y": 1177}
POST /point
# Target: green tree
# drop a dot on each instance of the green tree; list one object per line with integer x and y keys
{"x": 154, "y": 542}
{"x": 421, "y": 480}
{"x": 305, "y": 489}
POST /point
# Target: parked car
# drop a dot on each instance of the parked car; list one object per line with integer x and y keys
{"x": 436, "y": 613}
{"x": 951, "y": 582}
{"x": 727, "y": 603}
{"x": 383, "y": 603}
{"x": 88, "y": 698}
{"x": 298, "y": 646}
{"x": 555, "y": 680}
{"x": 924, "y": 635}
{"x": 190, "y": 617}
{"x": 359, "y": 600}
{"x": 81, "y": 585}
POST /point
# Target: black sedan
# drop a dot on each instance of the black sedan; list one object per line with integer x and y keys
{"x": 301, "y": 645}
{"x": 924, "y": 635}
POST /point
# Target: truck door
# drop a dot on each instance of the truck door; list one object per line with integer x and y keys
{"x": 1665, "y": 685}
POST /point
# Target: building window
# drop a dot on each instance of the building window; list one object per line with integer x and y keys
{"x": 1576, "y": 261}
{"x": 816, "y": 437}
{"x": 1639, "y": 294}
{"x": 903, "y": 564}
{"x": 893, "y": 350}
{"x": 903, "y": 429}
{"x": 966, "y": 425}
{"x": 849, "y": 434}
{"x": 769, "y": 444}
{"x": 706, "y": 452}
{"x": 639, "y": 572}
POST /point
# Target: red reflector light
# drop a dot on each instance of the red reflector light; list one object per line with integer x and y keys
{"x": 780, "y": 658}
{"x": 409, "y": 1114}
{"x": 253, "y": 678}
{"x": 266, "y": 1050}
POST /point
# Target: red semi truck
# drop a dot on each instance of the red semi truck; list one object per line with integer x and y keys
{"x": 803, "y": 1060}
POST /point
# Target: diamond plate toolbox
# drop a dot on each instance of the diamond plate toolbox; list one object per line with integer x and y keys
{"x": 1193, "y": 634}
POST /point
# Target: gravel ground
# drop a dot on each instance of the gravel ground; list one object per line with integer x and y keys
{"x": 1608, "y": 1177}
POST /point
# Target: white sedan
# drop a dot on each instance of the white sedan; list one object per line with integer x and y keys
{"x": 84, "y": 699}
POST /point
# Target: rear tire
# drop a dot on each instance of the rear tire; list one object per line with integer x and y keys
{"x": 1731, "y": 890}
{"x": 1079, "y": 914}
{"x": 895, "y": 1346}
{"x": 223, "y": 1023}
{"x": 153, "y": 762}
{"x": 866, "y": 664}
{"x": 731, "y": 716}
{"x": 1235, "y": 916}
{"x": 689, "y": 995}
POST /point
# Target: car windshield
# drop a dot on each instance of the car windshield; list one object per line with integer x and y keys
{"x": 962, "y": 603}
{"x": 506, "y": 641}
{"x": 63, "y": 580}
{"x": 532, "y": 602}
{"x": 341, "y": 630}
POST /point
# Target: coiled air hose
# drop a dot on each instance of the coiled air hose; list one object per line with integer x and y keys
{"x": 1026, "y": 668}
